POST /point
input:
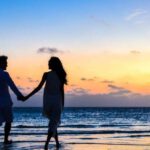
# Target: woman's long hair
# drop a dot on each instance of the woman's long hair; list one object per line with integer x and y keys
{"x": 56, "y": 65}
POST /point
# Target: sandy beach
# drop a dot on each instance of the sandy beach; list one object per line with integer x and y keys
{"x": 39, "y": 146}
{"x": 77, "y": 143}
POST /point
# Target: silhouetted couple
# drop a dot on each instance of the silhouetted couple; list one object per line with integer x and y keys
{"x": 53, "y": 99}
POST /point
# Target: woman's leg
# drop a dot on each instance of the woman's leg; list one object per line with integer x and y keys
{"x": 49, "y": 135}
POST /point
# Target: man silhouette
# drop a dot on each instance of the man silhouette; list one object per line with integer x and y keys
{"x": 6, "y": 103}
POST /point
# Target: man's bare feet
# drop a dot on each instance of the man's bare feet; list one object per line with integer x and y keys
{"x": 8, "y": 142}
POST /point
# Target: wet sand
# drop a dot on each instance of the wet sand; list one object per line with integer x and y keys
{"x": 38, "y": 145}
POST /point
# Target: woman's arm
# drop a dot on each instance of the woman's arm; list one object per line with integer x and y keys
{"x": 38, "y": 87}
{"x": 63, "y": 96}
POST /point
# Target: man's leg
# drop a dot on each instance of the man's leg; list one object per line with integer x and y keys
{"x": 7, "y": 129}
{"x": 56, "y": 139}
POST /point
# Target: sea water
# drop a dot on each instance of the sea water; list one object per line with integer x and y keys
{"x": 128, "y": 126}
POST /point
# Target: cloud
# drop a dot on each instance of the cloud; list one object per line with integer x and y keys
{"x": 79, "y": 97}
{"x": 114, "y": 87}
{"x": 136, "y": 13}
{"x": 91, "y": 100}
{"x": 32, "y": 80}
{"x": 28, "y": 88}
{"x": 21, "y": 88}
{"x": 78, "y": 91}
{"x": 18, "y": 78}
{"x": 116, "y": 90}
{"x": 140, "y": 22}
{"x": 101, "y": 22}
{"x": 135, "y": 52}
{"x": 73, "y": 85}
{"x": 108, "y": 100}
{"x": 88, "y": 79}
{"x": 107, "y": 81}
{"x": 49, "y": 50}
{"x": 85, "y": 79}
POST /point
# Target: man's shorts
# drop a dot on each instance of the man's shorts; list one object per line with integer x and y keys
{"x": 6, "y": 115}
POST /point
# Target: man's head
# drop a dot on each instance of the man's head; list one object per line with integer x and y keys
{"x": 3, "y": 62}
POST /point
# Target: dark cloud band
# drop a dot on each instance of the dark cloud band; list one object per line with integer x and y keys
{"x": 49, "y": 50}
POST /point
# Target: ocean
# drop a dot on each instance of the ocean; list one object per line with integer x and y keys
{"x": 82, "y": 126}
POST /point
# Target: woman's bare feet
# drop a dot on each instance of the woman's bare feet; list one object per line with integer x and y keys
{"x": 57, "y": 145}
{"x": 46, "y": 146}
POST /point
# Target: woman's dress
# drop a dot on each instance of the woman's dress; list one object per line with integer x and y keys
{"x": 52, "y": 100}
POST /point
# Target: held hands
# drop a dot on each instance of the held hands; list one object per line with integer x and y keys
{"x": 22, "y": 98}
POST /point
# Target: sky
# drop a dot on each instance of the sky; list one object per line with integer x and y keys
{"x": 103, "y": 45}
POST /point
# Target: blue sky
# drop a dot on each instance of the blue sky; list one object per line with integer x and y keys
{"x": 69, "y": 23}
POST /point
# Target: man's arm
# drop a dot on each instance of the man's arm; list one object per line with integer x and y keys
{"x": 11, "y": 84}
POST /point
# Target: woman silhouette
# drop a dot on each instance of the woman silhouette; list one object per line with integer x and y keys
{"x": 53, "y": 99}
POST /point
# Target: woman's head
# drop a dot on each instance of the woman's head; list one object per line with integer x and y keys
{"x": 56, "y": 65}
